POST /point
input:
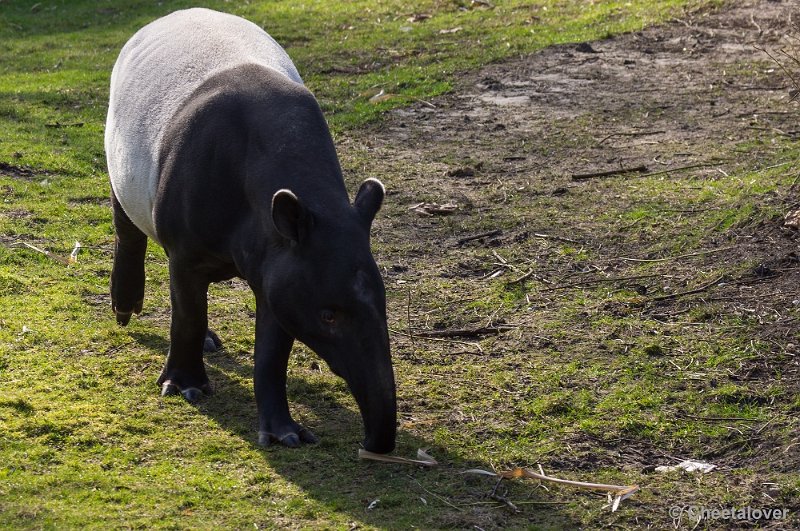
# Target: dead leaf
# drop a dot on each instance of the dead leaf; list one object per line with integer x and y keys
{"x": 451, "y": 30}
{"x": 792, "y": 220}
{"x": 688, "y": 466}
{"x": 434, "y": 209}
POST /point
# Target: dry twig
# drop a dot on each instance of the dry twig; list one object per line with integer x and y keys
{"x": 443, "y": 340}
{"x": 621, "y": 171}
{"x": 635, "y": 133}
{"x": 48, "y": 254}
{"x": 700, "y": 289}
{"x": 682, "y": 168}
{"x": 678, "y": 257}
{"x": 620, "y": 492}
{"x": 466, "y": 332}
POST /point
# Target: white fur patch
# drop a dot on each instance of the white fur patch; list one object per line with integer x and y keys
{"x": 157, "y": 69}
{"x": 376, "y": 181}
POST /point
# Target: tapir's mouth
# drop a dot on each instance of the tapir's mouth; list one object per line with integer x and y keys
{"x": 381, "y": 445}
{"x": 372, "y": 384}
{"x": 378, "y": 407}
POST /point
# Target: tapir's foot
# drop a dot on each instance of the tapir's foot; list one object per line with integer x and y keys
{"x": 212, "y": 342}
{"x": 291, "y": 435}
{"x": 124, "y": 315}
{"x": 177, "y": 382}
{"x": 190, "y": 393}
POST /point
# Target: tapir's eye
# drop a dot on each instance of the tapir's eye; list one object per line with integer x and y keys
{"x": 328, "y": 317}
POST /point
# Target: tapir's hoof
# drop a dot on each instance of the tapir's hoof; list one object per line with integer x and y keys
{"x": 290, "y": 439}
{"x": 123, "y": 317}
{"x": 191, "y": 394}
{"x": 212, "y": 342}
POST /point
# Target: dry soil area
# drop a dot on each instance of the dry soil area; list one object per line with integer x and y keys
{"x": 497, "y": 183}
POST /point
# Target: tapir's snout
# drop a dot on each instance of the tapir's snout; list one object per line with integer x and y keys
{"x": 371, "y": 380}
{"x": 379, "y": 413}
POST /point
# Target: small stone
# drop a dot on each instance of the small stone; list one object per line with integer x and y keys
{"x": 585, "y": 47}
{"x": 792, "y": 220}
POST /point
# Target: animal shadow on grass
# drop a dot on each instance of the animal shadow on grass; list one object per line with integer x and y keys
{"x": 331, "y": 473}
{"x": 155, "y": 342}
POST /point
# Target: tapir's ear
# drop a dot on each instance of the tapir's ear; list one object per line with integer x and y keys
{"x": 289, "y": 215}
{"x": 369, "y": 198}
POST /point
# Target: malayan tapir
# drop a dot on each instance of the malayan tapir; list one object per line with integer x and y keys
{"x": 218, "y": 152}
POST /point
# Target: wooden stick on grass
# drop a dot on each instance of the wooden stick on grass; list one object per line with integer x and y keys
{"x": 48, "y": 254}
{"x": 620, "y": 492}
{"x": 585, "y": 176}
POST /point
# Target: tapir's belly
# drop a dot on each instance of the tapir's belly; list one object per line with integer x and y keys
{"x": 157, "y": 70}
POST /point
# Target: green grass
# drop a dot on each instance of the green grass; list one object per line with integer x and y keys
{"x": 85, "y": 440}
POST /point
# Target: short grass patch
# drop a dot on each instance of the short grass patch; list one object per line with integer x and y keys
{"x": 604, "y": 368}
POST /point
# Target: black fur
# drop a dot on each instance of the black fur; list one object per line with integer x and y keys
{"x": 241, "y": 138}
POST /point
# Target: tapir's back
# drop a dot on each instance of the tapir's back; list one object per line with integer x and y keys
{"x": 157, "y": 70}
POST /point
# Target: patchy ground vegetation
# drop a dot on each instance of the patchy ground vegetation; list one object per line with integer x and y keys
{"x": 542, "y": 313}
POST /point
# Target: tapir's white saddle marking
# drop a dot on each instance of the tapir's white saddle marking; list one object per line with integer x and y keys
{"x": 157, "y": 69}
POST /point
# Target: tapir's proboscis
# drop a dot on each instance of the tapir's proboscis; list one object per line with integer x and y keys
{"x": 218, "y": 152}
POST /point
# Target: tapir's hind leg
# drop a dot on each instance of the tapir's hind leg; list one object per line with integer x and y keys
{"x": 184, "y": 371}
{"x": 212, "y": 342}
{"x": 127, "y": 275}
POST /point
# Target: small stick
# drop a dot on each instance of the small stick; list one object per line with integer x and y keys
{"x": 57, "y": 125}
{"x": 758, "y": 432}
{"x": 599, "y": 281}
{"x": 636, "y": 133}
{"x": 702, "y": 288}
{"x": 465, "y": 343}
{"x": 585, "y": 176}
{"x": 502, "y": 499}
{"x": 681, "y": 168}
{"x": 440, "y": 498}
{"x": 620, "y": 491}
{"x": 423, "y": 458}
{"x": 551, "y": 237}
{"x": 775, "y": 60}
{"x": 502, "y": 260}
{"x": 408, "y": 322}
{"x": 695, "y": 417}
{"x": 666, "y": 258}
{"x": 55, "y": 257}
{"x": 477, "y": 332}
{"x": 523, "y": 278}
{"x": 754, "y": 23}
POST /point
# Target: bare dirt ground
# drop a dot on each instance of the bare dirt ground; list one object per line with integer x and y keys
{"x": 697, "y": 96}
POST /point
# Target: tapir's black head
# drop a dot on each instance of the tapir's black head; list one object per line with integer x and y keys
{"x": 326, "y": 291}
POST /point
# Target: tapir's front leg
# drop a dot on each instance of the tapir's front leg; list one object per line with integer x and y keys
{"x": 272, "y": 349}
{"x": 185, "y": 371}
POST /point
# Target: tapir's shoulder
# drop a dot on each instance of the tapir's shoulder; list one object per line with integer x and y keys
{"x": 252, "y": 94}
